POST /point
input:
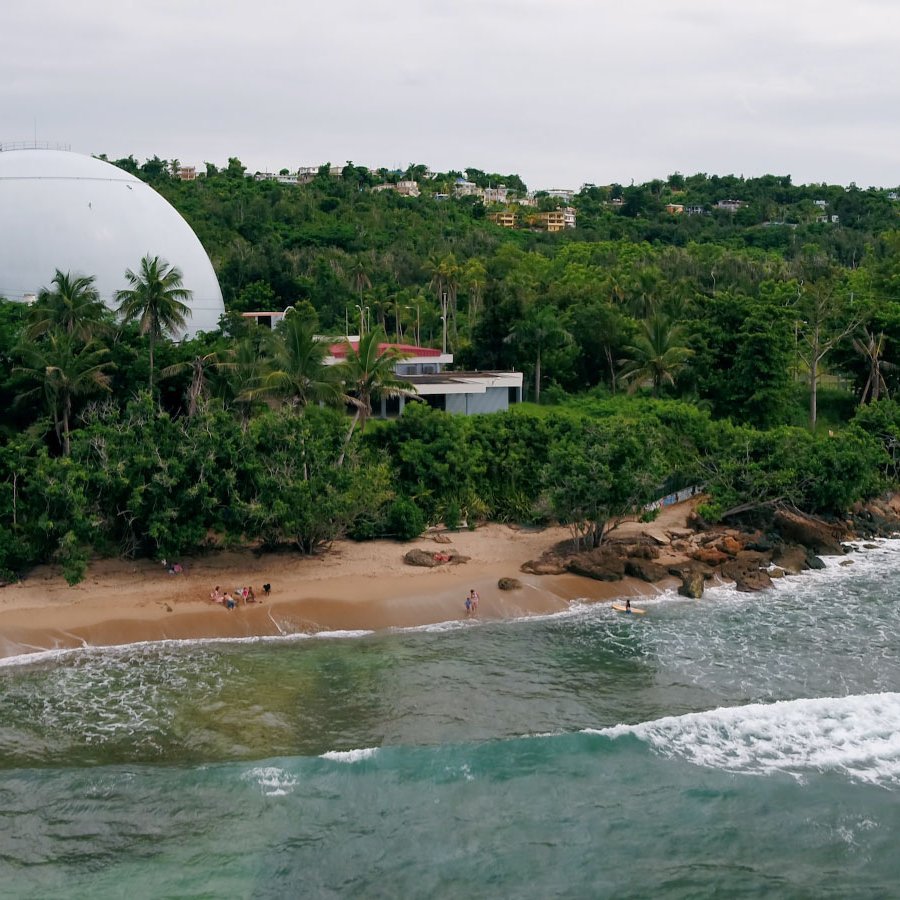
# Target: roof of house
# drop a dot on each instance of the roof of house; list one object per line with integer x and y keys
{"x": 340, "y": 349}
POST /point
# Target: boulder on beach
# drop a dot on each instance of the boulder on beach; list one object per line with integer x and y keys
{"x": 600, "y": 564}
{"x": 645, "y": 569}
{"x": 429, "y": 559}
{"x": 509, "y": 584}
{"x": 692, "y": 583}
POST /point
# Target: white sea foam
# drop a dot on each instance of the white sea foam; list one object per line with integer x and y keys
{"x": 350, "y": 756}
{"x": 27, "y": 659}
{"x": 857, "y": 736}
{"x": 273, "y": 781}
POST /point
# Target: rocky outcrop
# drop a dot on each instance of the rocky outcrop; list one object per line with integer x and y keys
{"x": 747, "y": 574}
{"x": 601, "y": 564}
{"x": 710, "y": 555}
{"x": 791, "y": 558}
{"x": 817, "y": 535}
{"x": 645, "y": 570}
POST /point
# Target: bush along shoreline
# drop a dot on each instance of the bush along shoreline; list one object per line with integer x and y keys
{"x": 139, "y": 481}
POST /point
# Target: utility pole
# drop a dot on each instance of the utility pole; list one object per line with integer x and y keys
{"x": 444, "y": 322}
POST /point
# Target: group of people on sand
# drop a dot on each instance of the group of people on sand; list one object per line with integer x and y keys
{"x": 472, "y": 603}
{"x": 230, "y": 600}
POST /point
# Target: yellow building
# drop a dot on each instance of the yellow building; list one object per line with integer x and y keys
{"x": 506, "y": 219}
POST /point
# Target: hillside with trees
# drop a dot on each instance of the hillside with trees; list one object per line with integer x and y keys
{"x": 751, "y": 347}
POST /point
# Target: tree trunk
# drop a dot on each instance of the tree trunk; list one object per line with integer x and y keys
{"x": 67, "y": 406}
{"x": 813, "y": 386}
{"x": 350, "y": 431}
{"x": 537, "y": 379}
{"x": 151, "y": 363}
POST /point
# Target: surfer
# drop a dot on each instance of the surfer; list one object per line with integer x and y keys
{"x": 627, "y": 605}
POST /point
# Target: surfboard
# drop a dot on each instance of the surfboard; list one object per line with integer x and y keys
{"x": 620, "y": 607}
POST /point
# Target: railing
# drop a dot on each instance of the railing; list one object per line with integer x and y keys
{"x": 33, "y": 145}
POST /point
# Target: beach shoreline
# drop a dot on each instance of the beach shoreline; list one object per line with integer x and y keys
{"x": 352, "y": 587}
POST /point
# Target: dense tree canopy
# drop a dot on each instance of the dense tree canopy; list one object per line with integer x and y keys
{"x": 733, "y": 325}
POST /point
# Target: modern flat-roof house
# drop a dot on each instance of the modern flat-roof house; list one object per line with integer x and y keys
{"x": 466, "y": 393}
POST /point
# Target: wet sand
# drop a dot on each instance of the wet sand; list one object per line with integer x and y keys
{"x": 353, "y": 586}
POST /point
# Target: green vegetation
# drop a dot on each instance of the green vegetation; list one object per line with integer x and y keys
{"x": 751, "y": 349}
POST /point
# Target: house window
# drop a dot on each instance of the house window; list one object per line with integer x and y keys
{"x": 512, "y": 395}
{"x": 436, "y": 401}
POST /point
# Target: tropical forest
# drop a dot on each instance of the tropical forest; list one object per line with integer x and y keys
{"x": 739, "y": 334}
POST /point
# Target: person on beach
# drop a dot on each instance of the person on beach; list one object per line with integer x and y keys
{"x": 267, "y": 588}
{"x": 250, "y": 597}
{"x": 229, "y": 601}
{"x": 468, "y": 605}
{"x": 215, "y": 595}
{"x": 473, "y": 599}
{"x": 627, "y": 605}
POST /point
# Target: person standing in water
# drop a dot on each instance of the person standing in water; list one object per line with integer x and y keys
{"x": 473, "y": 599}
{"x": 627, "y": 604}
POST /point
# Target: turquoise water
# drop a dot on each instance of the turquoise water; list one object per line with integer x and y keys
{"x": 742, "y": 746}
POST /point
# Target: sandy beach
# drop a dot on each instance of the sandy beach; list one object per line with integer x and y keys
{"x": 353, "y": 586}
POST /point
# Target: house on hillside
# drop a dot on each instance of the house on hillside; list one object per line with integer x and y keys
{"x": 506, "y": 219}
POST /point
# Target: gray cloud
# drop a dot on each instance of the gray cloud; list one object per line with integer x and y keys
{"x": 562, "y": 91}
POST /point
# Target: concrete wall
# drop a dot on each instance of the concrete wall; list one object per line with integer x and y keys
{"x": 492, "y": 400}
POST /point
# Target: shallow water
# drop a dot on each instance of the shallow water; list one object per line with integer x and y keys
{"x": 743, "y": 745}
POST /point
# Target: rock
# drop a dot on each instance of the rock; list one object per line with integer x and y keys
{"x": 546, "y": 565}
{"x": 819, "y": 536}
{"x": 870, "y": 546}
{"x": 710, "y": 555}
{"x": 419, "y": 557}
{"x": 509, "y": 584}
{"x": 692, "y": 582}
{"x": 846, "y": 562}
{"x": 775, "y": 572}
{"x": 697, "y": 522}
{"x": 441, "y": 539}
{"x": 813, "y": 561}
{"x": 754, "y": 557}
{"x": 645, "y": 570}
{"x": 791, "y": 558}
{"x": 679, "y": 570}
{"x": 746, "y": 575}
{"x": 730, "y": 545}
{"x": 430, "y": 559}
{"x": 600, "y": 564}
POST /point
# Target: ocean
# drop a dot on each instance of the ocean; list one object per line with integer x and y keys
{"x": 744, "y": 745}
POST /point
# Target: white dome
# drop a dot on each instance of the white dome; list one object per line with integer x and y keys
{"x": 61, "y": 210}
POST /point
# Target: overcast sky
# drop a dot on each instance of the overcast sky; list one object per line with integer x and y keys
{"x": 560, "y": 91}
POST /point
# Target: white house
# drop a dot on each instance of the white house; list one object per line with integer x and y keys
{"x": 466, "y": 393}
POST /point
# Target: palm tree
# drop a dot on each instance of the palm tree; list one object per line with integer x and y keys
{"x": 475, "y": 275}
{"x": 72, "y": 306}
{"x": 156, "y": 300}
{"x": 367, "y": 374}
{"x": 201, "y": 366}
{"x": 297, "y": 371}
{"x": 656, "y": 356}
{"x": 540, "y": 330}
{"x": 63, "y": 368}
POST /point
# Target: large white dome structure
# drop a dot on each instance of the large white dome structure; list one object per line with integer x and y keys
{"x": 62, "y": 210}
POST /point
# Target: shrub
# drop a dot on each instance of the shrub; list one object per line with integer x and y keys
{"x": 404, "y": 520}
